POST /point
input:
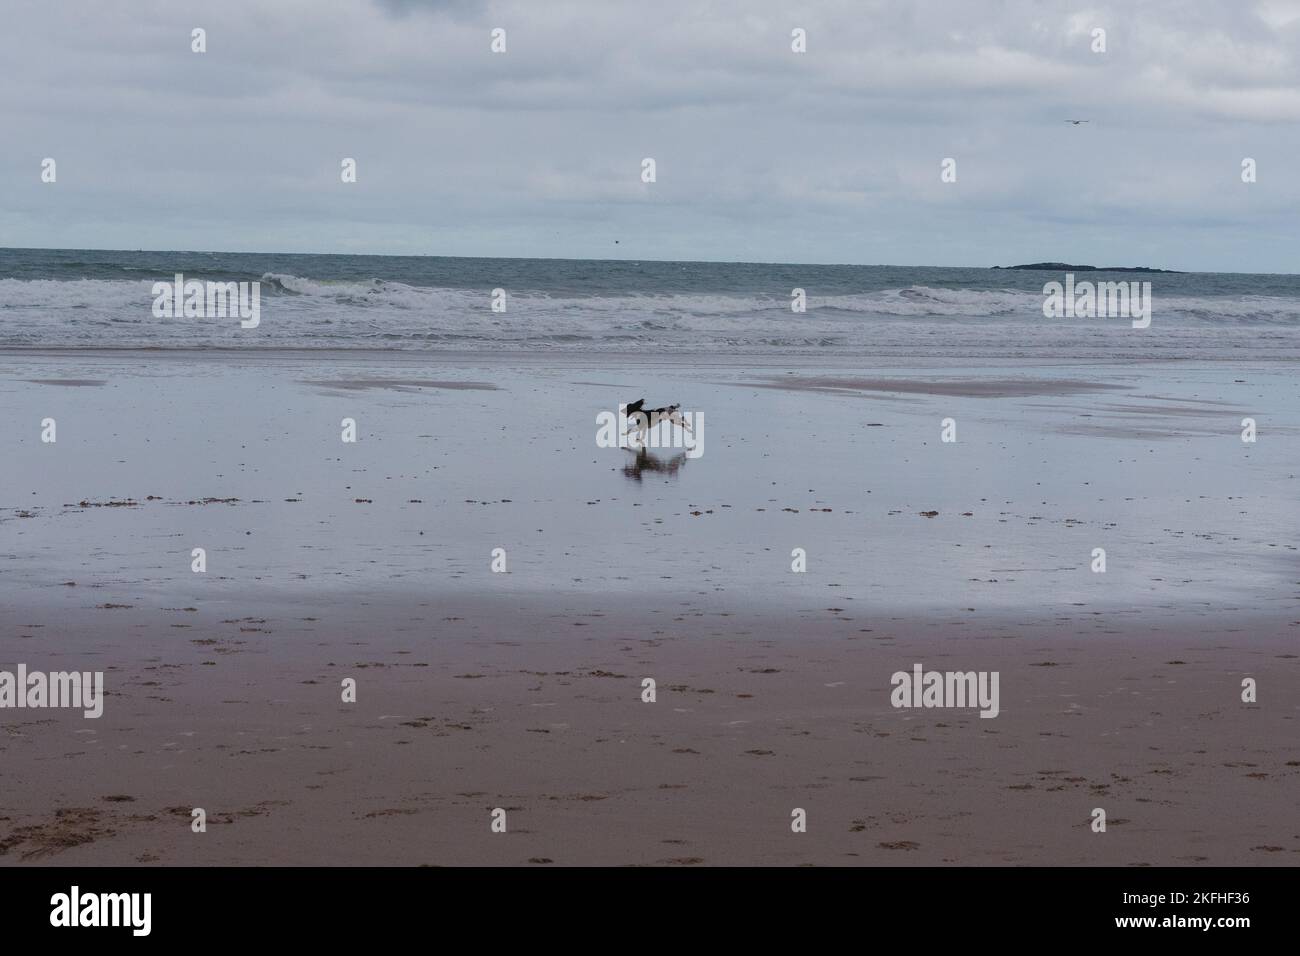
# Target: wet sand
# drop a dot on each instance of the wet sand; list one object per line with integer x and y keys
{"x": 536, "y": 707}
{"x": 522, "y": 690}
{"x": 938, "y": 385}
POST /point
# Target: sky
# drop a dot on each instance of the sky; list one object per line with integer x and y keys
{"x": 833, "y": 155}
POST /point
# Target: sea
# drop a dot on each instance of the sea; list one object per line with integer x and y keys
{"x": 78, "y": 299}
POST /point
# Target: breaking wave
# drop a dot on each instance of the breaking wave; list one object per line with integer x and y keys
{"x": 312, "y": 312}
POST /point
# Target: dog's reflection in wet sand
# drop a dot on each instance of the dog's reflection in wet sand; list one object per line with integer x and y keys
{"x": 647, "y": 461}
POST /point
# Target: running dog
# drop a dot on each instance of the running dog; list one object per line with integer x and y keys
{"x": 641, "y": 419}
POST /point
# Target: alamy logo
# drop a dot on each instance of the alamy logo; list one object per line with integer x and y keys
{"x": 191, "y": 299}
{"x": 103, "y": 909}
{"x": 56, "y": 689}
{"x": 1087, "y": 300}
{"x": 946, "y": 689}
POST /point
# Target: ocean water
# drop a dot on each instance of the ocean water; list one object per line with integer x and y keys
{"x": 82, "y": 299}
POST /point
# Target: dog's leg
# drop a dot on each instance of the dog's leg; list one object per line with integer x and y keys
{"x": 637, "y": 422}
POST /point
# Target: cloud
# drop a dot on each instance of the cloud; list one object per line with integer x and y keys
{"x": 759, "y": 148}
{"x": 404, "y": 8}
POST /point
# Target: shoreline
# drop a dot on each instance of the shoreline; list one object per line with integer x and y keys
{"x": 531, "y": 355}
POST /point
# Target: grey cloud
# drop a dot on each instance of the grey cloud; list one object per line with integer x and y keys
{"x": 832, "y": 154}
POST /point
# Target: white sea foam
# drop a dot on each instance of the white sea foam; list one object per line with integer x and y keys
{"x": 307, "y": 312}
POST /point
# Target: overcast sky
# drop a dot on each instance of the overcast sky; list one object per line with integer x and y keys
{"x": 762, "y": 154}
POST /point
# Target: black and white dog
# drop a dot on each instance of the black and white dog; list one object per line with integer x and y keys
{"x": 641, "y": 419}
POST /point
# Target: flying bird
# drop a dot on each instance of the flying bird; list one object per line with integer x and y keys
{"x": 1077, "y": 122}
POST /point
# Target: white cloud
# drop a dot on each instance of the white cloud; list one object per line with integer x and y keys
{"x": 463, "y": 149}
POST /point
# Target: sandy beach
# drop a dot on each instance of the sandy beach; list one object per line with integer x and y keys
{"x": 523, "y": 690}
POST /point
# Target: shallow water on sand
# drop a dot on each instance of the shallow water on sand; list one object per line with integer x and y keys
{"x": 457, "y": 457}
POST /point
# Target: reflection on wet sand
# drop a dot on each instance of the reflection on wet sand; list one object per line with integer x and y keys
{"x": 648, "y": 461}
